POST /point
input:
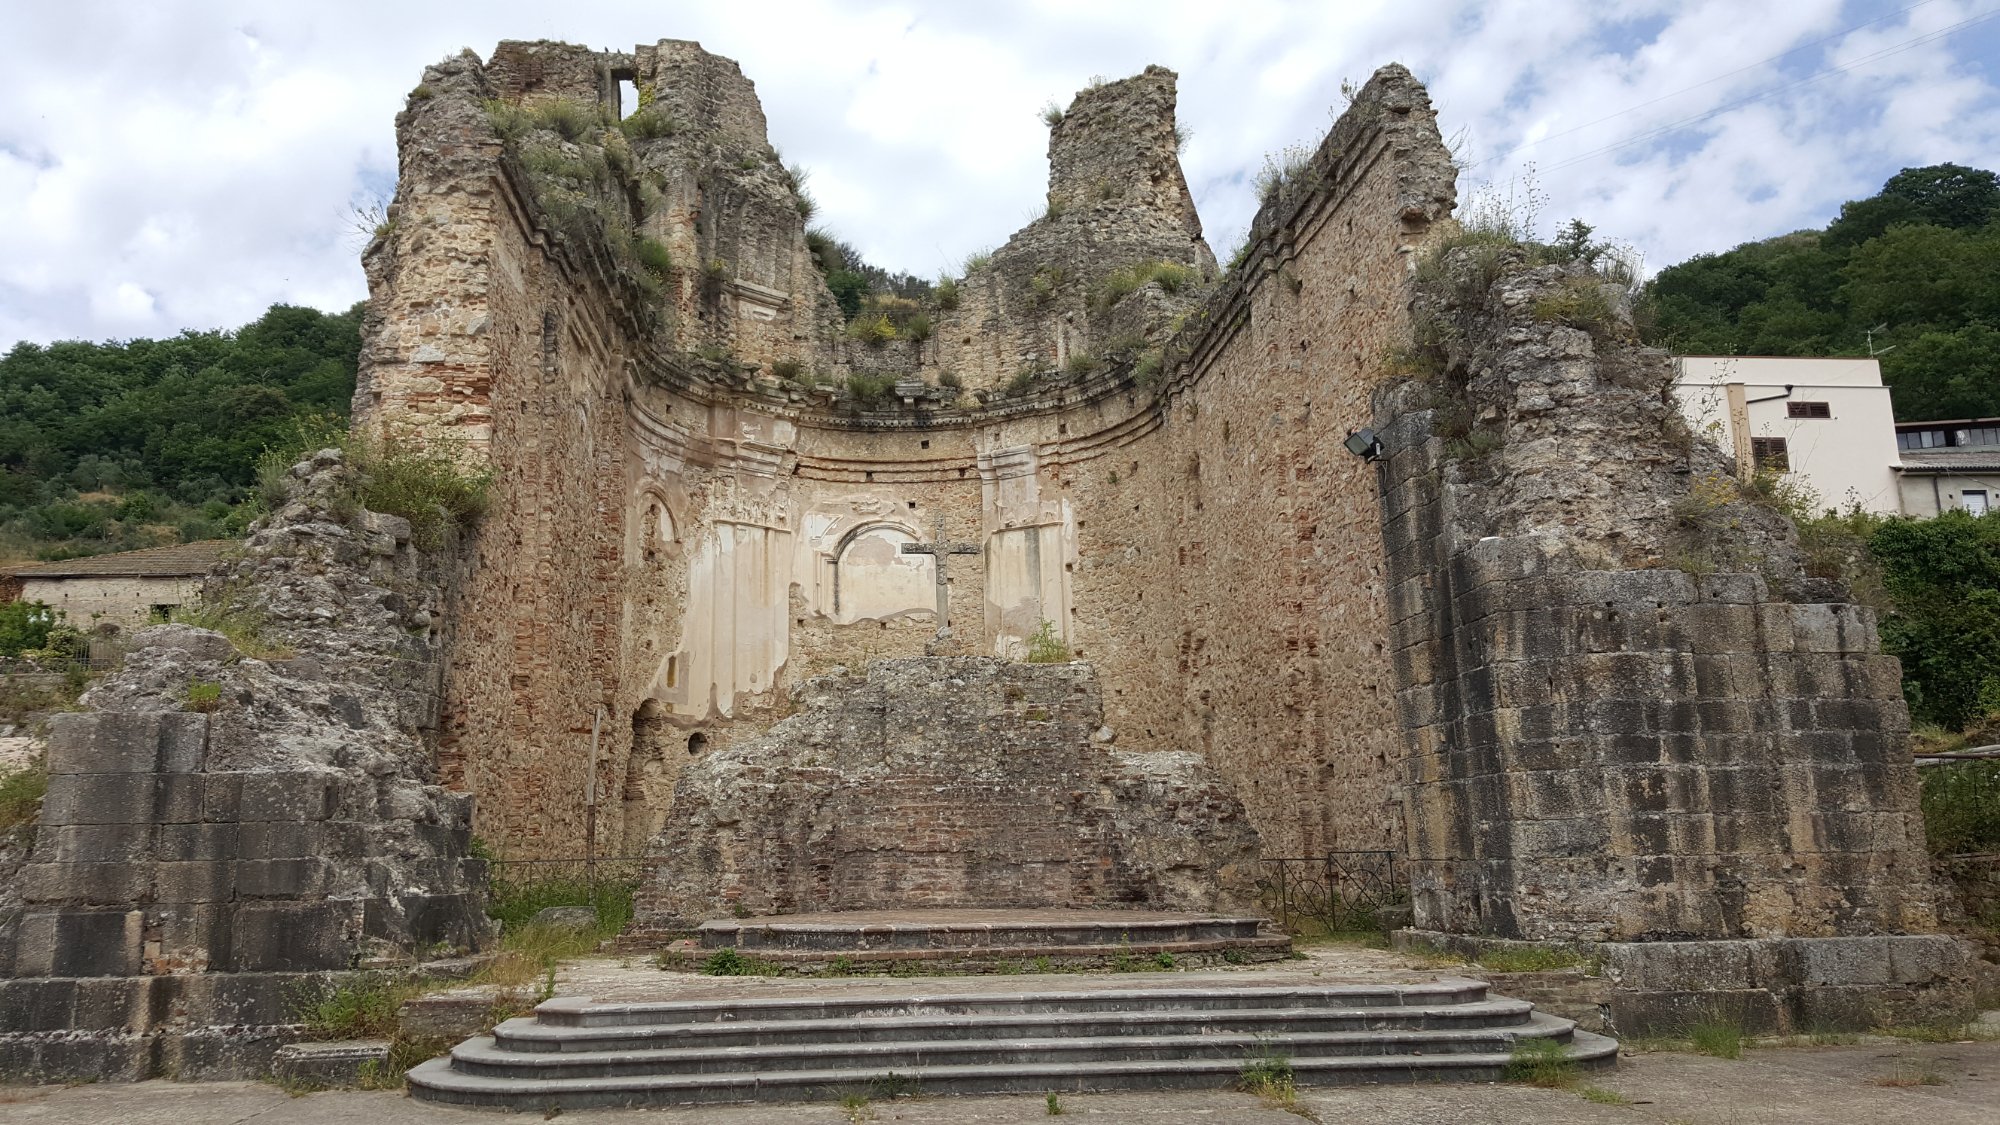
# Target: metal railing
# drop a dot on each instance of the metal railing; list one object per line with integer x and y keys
{"x": 1333, "y": 892}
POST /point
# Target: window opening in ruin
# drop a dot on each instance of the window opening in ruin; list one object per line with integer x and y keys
{"x": 628, "y": 98}
{"x": 912, "y": 504}
{"x": 1770, "y": 453}
{"x": 159, "y": 614}
{"x": 924, "y": 444}
{"x": 1808, "y": 410}
{"x": 697, "y": 742}
{"x": 673, "y": 670}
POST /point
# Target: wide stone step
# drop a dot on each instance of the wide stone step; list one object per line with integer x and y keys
{"x": 438, "y": 1081}
{"x": 533, "y": 1036}
{"x": 483, "y": 1056}
{"x": 580, "y": 1011}
{"x": 983, "y": 932}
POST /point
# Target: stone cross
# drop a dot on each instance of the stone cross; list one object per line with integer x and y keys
{"x": 939, "y": 548}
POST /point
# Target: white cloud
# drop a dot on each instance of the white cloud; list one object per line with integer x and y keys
{"x": 185, "y": 165}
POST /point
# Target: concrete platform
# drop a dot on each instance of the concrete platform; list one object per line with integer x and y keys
{"x": 969, "y": 938}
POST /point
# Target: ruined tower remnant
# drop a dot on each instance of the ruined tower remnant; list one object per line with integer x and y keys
{"x": 1634, "y": 724}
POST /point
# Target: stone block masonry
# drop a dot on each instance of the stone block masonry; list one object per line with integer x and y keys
{"x": 1701, "y": 777}
{"x": 197, "y": 877}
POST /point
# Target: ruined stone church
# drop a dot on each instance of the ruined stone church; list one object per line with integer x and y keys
{"x": 1094, "y": 577}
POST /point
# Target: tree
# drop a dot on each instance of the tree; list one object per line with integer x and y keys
{"x": 1921, "y": 259}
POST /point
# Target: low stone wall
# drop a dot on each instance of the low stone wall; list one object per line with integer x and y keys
{"x": 1778, "y": 986}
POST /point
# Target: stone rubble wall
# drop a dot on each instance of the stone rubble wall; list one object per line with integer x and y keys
{"x": 196, "y": 875}
{"x": 1602, "y": 747}
{"x": 942, "y": 782}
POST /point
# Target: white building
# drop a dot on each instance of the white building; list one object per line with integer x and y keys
{"x": 1827, "y": 422}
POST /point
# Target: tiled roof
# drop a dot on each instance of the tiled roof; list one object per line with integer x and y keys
{"x": 154, "y": 562}
{"x": 1952, "y": 460}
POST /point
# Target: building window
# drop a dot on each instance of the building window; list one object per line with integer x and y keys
{"x": 161, "y": 614}
{"x": 1808, "y": 410}
{"x": 1980, "y": 435}
{"x": 1769, "y": 453}
{"x": 1973, "y": 500}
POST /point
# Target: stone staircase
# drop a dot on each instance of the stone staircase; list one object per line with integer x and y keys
{"x": 995, "y": 940}
{"x": 575, "y": 1054}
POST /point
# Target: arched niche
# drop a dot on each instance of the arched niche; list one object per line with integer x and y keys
{"x": 654, "y": 533}
{"x": 874, "y": 579}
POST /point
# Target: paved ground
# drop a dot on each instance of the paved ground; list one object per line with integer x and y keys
{"x": 1778, "y": 1086}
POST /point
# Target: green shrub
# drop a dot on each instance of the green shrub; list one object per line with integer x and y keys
{"x": 1961, "y": 805}
{"x": 950, "y": 380}
{"x": 568, "y": 118}
{"x": 978, "y": 260}
{"x": 649, "y": 123}
{"x": 1270, "y": 1078}
{"x": 203, "y": 695}
{"x": 1720, "y": 1038}
{"x": 508, "y": 120}
{"x": 869, "y": 389}
{"x": 552, "y": 163}
{"x": 1052, "y": 115}
{"x": 789, "y": 370}
{"x": 727, "y": 962}
{"x": 873, "y": 331}
{"x": 1023, "y": 381}
{"x": 1146, "y": 369}
{"x": 1081, "y": 365}
{"x": 653, "y": 256}
{"x": 1045, "y": 282}
{"x": 1046, "y": 647}
{"x": 916, "y": 329}
{"x": 1540, "y": 1062}
{"x": 516, "y": 902}
{"x": 24, "y": 626}
{"x": 1578, "y": 302}
{"x": 21, "y": 792}
{"x": 1282, "y": 171}
{"x": 358, "y": 1009}
{"x": 1942, "y": 576}
{"x": 425, "y": 485}
{"x": 241, "y": 624}
{"x": 946, "y": 292}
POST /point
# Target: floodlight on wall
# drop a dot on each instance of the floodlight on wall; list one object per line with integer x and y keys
{"x": 1364, "y": 444}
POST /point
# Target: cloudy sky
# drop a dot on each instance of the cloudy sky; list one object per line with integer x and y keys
{"x": 171, "y": 164}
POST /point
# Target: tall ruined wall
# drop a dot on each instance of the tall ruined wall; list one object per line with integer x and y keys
{"x": 1631, "y": 715}
{"x": 1243, "y": 523}
{"x": 682, "y": 543}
